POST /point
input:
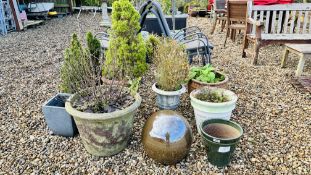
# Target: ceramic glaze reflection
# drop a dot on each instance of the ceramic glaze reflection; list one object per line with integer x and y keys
{"x": 167, "y": 137}
{"x": 168, "y": 127}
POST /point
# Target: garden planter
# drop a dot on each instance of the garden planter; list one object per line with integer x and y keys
{"x": 220, "y": 138}
{"x": 195, "y": 84}
{"x": 56, "y": 117}
{"x": 208, "y": 110}
{"x": 151, "y": 24}
{"x": 105, "y": 134}
{"x": 168, "y": 99}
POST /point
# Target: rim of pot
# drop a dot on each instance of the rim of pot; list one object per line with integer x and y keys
{"x": 232, "y": 95}
{"x": 222, "y": 121}
{"x": 214, "y": 84}
{"x": 52, "y": 98}
{"x": 88, "y": 115}
{"x": 162, "y": 92}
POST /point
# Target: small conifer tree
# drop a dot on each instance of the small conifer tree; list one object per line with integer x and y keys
{"x": 126, "y": 54}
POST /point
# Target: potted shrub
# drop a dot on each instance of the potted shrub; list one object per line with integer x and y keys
{"x": 57, "y": 119}
{"x": 104, "y": 114}
{"x": 152, "y": 43}
{"x": 206, "y": 76}
{"x": 212, "y": 103}
{"x": 170, "y": 74}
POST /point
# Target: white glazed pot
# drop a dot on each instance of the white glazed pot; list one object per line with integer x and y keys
{"x": 207, "y": 110}
{"x": 168, "y": 99}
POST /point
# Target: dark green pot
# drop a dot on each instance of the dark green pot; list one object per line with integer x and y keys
{"x": 220, "y": 138}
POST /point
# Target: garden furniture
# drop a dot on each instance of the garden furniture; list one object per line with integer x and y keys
{"x": 261, "y": 31}
{"x": 236, "y": 17}
{"x": 219, "y": 12}
{"x": 303, "y": 50}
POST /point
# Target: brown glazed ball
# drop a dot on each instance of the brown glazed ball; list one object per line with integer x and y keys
{"x": 167, "y": 137}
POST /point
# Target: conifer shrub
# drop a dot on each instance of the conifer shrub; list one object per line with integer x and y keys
{"x": 127, "y": 50}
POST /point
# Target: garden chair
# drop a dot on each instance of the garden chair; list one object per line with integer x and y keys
{"x": 195, "y": 42}
{"x": 236, "y": 17}
{"x": 220, "y": 14}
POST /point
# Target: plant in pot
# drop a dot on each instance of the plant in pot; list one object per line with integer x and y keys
{"x": 212, "y": 103}
{"x": 57, "y": 119}
{"x": 206, "y": 76}
{"x": 104, "y": 114}
{"x": 170, "y": 74}
{"x": 152, "y": 43}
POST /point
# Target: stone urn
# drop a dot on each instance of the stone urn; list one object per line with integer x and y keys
{"x": 167, "y": 137}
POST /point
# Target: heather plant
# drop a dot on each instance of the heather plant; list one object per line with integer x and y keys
{"x": 126, "y": 45}
{"x": 172, "y": 66}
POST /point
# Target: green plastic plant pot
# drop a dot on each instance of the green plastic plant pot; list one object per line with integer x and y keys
{"x": 220, "y": 140}
{"x": 104, "y": 134}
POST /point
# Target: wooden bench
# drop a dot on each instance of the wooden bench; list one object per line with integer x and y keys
{"x": 276, "y": 24}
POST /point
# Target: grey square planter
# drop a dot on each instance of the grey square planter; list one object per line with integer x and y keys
{"x": 56, "y": 116}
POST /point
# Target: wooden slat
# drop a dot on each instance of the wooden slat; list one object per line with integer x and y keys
{"x": 305, "y": 22}
{"x": 261, "y": 16}
{"x": 267, "y": 22}
{"x": 293, "y": 15}
{"x": 286, "y": 21}
{"x": 292, "y": 6}
{"x": 273, "y": 22}
{"x": 299, "y": 21}
{"x": 254, "y": 26}
{"x": 280, "y": 22}
{"x": 281, "y": 36}
{"x": 310, "y": 24}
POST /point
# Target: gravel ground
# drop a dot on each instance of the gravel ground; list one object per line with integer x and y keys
{"x": 275, "y": 116}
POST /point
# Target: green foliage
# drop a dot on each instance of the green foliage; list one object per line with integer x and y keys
{"x": 212, "y": 95}
{"x": 76, "y": 67}
{"x": 205, "y": 74}
{"x": 166, "y": 6}
{"x": 93, "y": 45}
{"x": 126, "y": 54}
{"x": 91, "y": 2}
{"x": 134, "y": 85}
{"x": 152, "y": 43}
{"x": 172, "y": 66}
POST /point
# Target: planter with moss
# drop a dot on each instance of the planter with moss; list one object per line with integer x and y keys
{"x": 104, "y": 134}
{"x": 168, "y": 99}
{"x": 207, "y": 76}
{"x": 212, "y": 103}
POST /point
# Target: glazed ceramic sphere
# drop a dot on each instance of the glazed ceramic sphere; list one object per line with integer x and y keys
{"x": 167, "y": 137}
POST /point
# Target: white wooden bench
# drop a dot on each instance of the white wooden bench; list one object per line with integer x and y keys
{"x": 276, "y": 24}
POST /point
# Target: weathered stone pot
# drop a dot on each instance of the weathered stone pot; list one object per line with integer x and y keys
{"x": 168, "y": 99}
{"x": 167, "y": 137}
{"x": 104, "y": 134}
{"x": 195, "y": 84}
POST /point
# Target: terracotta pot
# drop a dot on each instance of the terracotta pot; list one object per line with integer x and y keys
{"x": 195, "y": 84}
{"x": 167, "y": 137}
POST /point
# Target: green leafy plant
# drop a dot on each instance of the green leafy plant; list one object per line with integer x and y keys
{"x": 206, "y": 74}
{"x": 172, "y": 65}
{"x": 151, "y": 43}
{"x": 214, "y": 96}
{"x": 127, "y": 50}
{"x": 93, "y": 46}
{"x": 91, "y": 2}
